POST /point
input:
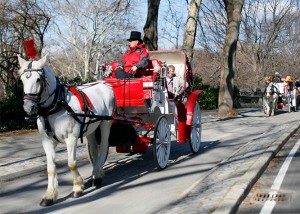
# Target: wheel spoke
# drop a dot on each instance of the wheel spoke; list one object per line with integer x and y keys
{"x": 196, "y": 129}
{"x": 162, "y": 142}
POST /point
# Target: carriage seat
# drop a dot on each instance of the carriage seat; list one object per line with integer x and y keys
{"x": 136, "y": 91}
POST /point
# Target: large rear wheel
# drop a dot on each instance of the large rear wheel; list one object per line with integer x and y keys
{"x": 196, "y": 130}
{"x": 162, "y": 142}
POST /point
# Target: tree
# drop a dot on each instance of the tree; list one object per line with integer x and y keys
{"x": 20, "y": 20}
{"x": 268, "y": 28}
{"x": 90, "y": 30}
{"x": 150, "y": 28}
{"x": 233, "y": 10}
{"x": 257, "y": 55}
{"x": 173, "y": 24}
{"x": 191, "y": 27}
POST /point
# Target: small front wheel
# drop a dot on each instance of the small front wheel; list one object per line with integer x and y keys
{"x": 162, "y": 142}
{"x": 196, "y": 130}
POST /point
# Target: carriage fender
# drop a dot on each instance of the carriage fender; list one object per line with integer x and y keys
{"x": 190, "y": 105}
{"x": 184, "y": 126}
{"x": 181, "y": 121}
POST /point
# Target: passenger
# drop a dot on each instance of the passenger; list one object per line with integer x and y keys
{"x": 135, "y": 58}
{"x": 175, "y": 84}
{"x": 169, "y": 79}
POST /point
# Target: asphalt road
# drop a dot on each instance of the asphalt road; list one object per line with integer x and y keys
{"x": 235, "y": 151}
{"x": 278, "y": 189}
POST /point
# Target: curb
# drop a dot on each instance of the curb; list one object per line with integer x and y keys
{"x": 239, "y": 191}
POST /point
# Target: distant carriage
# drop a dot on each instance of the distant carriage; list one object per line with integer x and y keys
{"x": 288, "y": 95}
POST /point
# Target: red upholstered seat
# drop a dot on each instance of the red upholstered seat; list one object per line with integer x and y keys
{"x": 113, "y": 68}
{"x": 133, "y": 92}
{"x": 154, "y": 66}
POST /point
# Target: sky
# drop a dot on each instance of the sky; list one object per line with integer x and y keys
{"x": 180, "y": 7}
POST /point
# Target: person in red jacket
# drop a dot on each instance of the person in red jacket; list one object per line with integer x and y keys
{"x": 135, "y": 58}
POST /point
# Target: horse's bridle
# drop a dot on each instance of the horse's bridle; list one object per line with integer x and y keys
{"x": 35, "y": 97}
{"x": 273, "y": 89}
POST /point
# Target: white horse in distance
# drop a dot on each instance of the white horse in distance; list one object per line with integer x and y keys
{"x": 54, "y": 105}
{"x": 270, "y": 99}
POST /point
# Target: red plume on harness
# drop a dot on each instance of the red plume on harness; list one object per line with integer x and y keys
{"x": 30, "y": 49}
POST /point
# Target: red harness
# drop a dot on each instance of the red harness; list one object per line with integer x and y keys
{"x": 81, "y": 96}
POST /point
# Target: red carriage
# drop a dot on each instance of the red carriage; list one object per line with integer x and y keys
{"x": 288, "y": 94}
{"x": 146, "y": 115}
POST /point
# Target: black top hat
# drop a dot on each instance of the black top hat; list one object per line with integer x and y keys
{"x": 135, "y": 35}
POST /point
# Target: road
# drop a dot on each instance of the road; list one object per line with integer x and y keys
{"x": 235, "y": 150}
{"x": 278, "y": 189}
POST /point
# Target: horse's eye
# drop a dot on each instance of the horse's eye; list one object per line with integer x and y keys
{"x": 38, "y": 80}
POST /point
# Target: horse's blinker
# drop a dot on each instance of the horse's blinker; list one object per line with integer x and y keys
{"x": 28, "y": 74}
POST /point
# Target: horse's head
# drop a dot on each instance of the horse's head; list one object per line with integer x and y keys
{"x": 32, "y": 75}
{"x": 271, "y": 89}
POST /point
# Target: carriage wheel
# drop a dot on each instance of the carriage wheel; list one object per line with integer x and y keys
{"x": 162, "y": 142}
{"x": 196, "y": 130}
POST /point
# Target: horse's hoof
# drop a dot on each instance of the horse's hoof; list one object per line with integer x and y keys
{"x": 77, "y": 194}
{"x": 46, "y": 202}
{"x": 97, "y": 182}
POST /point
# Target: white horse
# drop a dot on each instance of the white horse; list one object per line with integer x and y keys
{"x": 55, "y": 106}
{"x": 270, "y": 99}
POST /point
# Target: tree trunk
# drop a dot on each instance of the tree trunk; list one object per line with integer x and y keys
{"x": 233, "y": 10}
{"x": 150, "y": 28}
{"x": 191, "y": 28}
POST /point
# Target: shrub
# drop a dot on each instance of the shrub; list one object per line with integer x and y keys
{"x": 208, "y": 99}
{"x": 12, "y": 115}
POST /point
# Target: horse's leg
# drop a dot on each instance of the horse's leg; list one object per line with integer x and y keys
{"x": 49, "y": 147}
{"x": 78, "y": 185}
{"x": 276, "y": 105}
{"x": 267, "y": 107}
{"x": 51, "y": 194}
{"x": 102, "y": 151}
{"x": 273, "y": 106}
{"x": 93, "y": 148}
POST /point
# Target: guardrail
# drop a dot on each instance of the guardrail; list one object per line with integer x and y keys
{"x": 250, "y": 101}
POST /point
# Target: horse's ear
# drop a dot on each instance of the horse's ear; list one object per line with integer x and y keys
{"x": 21, "y": 60}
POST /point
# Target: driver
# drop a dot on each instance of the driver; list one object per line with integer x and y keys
{"x": 135, "y": 58}
{"x": 276, "y": 78}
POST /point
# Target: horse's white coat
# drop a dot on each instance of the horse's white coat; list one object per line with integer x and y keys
{"x": 270, "y": 99}
{"x": 65, "y": 128}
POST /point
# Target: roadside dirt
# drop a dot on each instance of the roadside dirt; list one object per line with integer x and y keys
{"x": 18, "y": 132}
